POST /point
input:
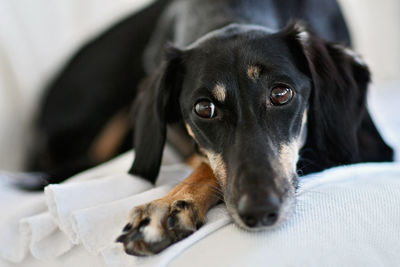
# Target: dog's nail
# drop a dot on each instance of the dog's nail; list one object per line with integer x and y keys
{"x": 127, "y": 228}
{"x": 144, "y": 223}
{"x": 121, "y": 239}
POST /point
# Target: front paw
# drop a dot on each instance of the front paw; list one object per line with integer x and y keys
{"x": 154, "y": 226}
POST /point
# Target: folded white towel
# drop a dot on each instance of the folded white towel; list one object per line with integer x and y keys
{"x": 63, "y": 199}
{"x": 83, "y": 191}
{"x": 109, "y": 219}
{"x": 14, "y": 205}
{"x": 99, "y": 226}
{"x": 47, "y": 241}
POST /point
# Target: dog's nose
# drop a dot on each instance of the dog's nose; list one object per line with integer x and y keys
{"x": 259, "y": 212}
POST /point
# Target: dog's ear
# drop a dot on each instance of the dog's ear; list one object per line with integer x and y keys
{"x": 156, "y": 106}
{"x": 337, "y": 102}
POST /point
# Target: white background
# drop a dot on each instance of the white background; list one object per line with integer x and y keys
{"x": 375, "y": 28}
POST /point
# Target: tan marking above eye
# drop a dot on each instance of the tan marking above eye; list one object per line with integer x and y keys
{"x": 253, "y": 72}
{"x": 219, "y": 92}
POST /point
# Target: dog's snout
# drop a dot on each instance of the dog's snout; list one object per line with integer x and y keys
{"x": 259, "y": 212}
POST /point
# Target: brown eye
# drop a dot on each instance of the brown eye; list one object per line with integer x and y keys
{"x": 205, "y": 109}
{"x": 281, "y": 95}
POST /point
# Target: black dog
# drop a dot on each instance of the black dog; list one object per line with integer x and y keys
{"x": 263, "y": 100}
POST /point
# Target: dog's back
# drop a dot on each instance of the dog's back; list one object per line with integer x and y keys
{"x": 185, "y": 21}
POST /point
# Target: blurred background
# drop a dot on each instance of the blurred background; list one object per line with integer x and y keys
{"x": 37, "y": 37}
{"x": 375, "y": 29}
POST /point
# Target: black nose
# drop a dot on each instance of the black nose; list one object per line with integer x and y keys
{"x": 258, "y": 212}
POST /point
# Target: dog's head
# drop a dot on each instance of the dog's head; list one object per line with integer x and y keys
{"x": 253, "y": 101}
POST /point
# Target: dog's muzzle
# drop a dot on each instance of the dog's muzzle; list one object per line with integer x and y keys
{"x": 258, "y": 202}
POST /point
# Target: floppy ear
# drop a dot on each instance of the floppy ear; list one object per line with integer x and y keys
{"x": 337, "y": 109}
{"x": 155, "y": 107}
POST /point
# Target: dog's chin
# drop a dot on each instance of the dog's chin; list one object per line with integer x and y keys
{"x": 287, "y": 209}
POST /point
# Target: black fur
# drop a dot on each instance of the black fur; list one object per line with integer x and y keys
{"x": 156, "y": 107}
{"x": 339, "y": 124}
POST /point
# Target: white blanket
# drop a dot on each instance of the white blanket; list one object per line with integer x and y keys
{"x": 346, "y": 216}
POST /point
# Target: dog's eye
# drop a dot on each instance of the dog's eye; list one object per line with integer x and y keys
{"x": 281, "y": 95}
{"x": 205, "y": 109}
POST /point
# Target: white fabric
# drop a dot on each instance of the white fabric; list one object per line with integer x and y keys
{"x": 47, "y": 241}
{"x": 347, "y": 216}
{"x": 16, "y": 206}
{"x": 65, "y": 198}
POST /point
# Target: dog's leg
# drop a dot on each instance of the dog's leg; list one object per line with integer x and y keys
{"x": 156, "y": 225}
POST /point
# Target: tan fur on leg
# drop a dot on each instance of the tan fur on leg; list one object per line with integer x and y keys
{"x": 200, "y": 186}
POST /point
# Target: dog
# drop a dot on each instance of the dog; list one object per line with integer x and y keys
{"x": 263, "y": 91}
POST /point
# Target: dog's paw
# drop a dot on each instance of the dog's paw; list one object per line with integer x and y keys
{"x": 154, "y": 226}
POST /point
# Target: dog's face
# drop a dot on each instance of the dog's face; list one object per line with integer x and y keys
{"x": 246, "y": 96}
{"x": 244, "y": 102}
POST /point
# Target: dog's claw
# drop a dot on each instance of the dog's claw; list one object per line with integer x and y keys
{"x": 157, "y": 225}
{"x": 127, "y": 227}
{"x": 121, "y": 239}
